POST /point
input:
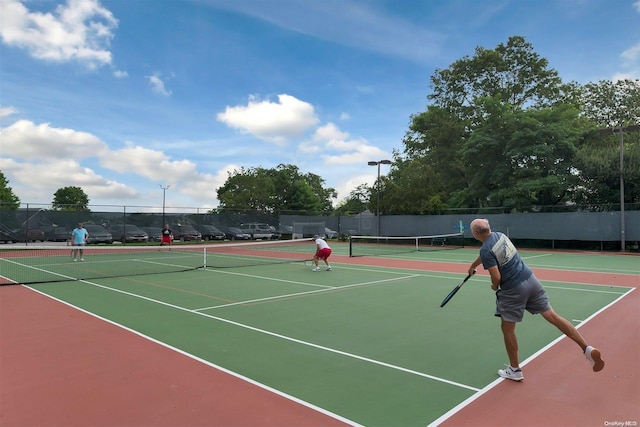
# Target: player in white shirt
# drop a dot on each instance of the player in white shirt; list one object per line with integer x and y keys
{"x": 323, "y": 251}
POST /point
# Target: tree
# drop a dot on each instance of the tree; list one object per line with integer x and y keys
{"x": 279, "y": 189}
{"x": 8, "y": 200}
{"x": 356, "y": 201}
{"x": 609, "y": 105}
{"x": 482, "y": 106}
{"x": 70, "y": 199}
{"x": 411, "y": 188}
{"x": 298, "y": 191}
{"x": 523, "y": 158}
{"x": 512, "y": 72}
{"x": 597, "y": 166}
{"x": 436, "y": 137}
{"x": 612, "y": 104}
{"x": 247, "y": 189}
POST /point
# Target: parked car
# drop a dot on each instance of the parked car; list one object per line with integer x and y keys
{"x": 275, "y": 233}
{"x": 98, "y": 234}
{"x": 234, "y": 233}
{"x": 128, "y": 233}
{"x": 330, "y": 234}
{"x": 210, "y": 232}
{"x": 30, "y": 235}
{"x": 6, "y": 236}
{"x": 286, "y": 231}
{"x": 154, "y": 233}
{"x": 257, "y": 230}
{"x": 185, "y": 233}
{"x": 58, "y": 234}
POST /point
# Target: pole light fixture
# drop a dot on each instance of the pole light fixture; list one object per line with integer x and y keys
{"x": 164, "y": 191}
{"x": 378, "y": 163}
{"x": 621, "y": 130}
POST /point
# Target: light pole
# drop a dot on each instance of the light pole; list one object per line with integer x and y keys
{"x": 621, "y": 130}
{"x": 164, "y": 191}
{"x": 378, "y": 163}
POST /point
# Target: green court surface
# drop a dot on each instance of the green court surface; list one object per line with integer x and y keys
{"x": 369, "y": 344}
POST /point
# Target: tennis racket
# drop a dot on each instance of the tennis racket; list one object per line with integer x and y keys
{"x": 455, "y": 290}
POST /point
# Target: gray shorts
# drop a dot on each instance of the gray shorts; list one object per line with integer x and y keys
{"x": 530, "y": 295}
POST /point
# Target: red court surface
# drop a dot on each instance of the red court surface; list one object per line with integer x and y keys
{"x": 63, "y": 367}
{"x": 560, "y": 389}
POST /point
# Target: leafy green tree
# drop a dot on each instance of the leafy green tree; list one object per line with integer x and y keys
{"x": 356, "y": 202}
{"x": 247, "y": 189}
{"x": 411, "y": 188}
{"x": 277, "y": 189}
{"x": 523, "y": 158}
{"x": 597, "y": 166}
{"x": 8, "y": 200}
{"x": 435, "y": 137}
{"x": 610, "y": 106}
{"x": 298, "y": 191}
{"x": 512, "y": 72}
{"x": 471, "y": 137}
{"x": 70, "y": 199}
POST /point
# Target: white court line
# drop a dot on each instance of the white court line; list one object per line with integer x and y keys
{"x": 287, "y": 338}
{"x": 535, "y": 256}
{"x": 295, "y": 294}
{"x": 583, "y": 290}
{"x": 203, "y": 361}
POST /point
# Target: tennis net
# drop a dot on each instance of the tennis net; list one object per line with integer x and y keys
{"x": 41, "y": 264}
{"x": 390, "y": 245}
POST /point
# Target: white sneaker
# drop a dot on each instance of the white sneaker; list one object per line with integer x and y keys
{"x": 328, "y": 268}
{"x": 512, "y": 374}
{"x": 74, "y": 260}
{"x": 81, "y": 259}
{"x": 594, "y": 358}
{"x": 315, "y": 269}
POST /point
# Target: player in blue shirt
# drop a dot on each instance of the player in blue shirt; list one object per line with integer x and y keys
{"x": 517, "y": 289}
{"x": 79, "y": 237}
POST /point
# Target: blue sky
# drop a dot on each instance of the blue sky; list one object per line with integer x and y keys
{"x": 121, "y": 97}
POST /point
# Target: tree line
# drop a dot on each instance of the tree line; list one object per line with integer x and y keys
{"x": 501, "y": 129}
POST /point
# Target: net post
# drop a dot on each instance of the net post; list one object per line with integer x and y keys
{"x": 350, "y": 246}
{"x": 204, "y": 257}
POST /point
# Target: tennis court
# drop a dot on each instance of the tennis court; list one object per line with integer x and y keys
{"x": 364, "y": 344}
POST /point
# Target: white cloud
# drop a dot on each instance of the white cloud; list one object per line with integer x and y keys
{"x": 41, "y": 159}
{"x": 80, "y": 30}
{"x": 631, "y": 58}
{"x": 154, "y": 165}
{"x": 157, "y": 85}
{"x": 361, "y": 24}
{"x": 7, "y": 111}
{"x": 55, "y": 174}
{"x": 26, "y": 140}
{"x": 275, "y": 122}
{"x": 149, "y": 163}
{"x": 632, "y": 53}
{"x": 120, "y": 74}
{"x": 337, "y": 148}
{"x": 345, "y": 187}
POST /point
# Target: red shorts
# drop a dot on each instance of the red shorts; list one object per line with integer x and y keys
{"x": 166, "y": 239}
{"x": 323, "y": 253}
